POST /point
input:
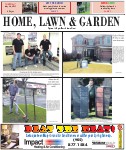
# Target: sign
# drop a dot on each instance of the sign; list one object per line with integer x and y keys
{"x": 80, "y": 101}
{"x": 84, "y": 64}
{"x": 35, "y": 86}
{"x": 102, "y": 100}
{"x": 110, "y": 136}
{"x": 76, "y": 101}
{"x": 107, "y": 98}
{"x": 84, "y": 102}
{"x": 9, "y": 50}
{"x": 99, "y": 101}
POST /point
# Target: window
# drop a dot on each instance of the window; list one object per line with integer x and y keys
{"x": 108, "y": 40}
{"x": 79, "y": 40}
{"x": 97, "y": 40}
{"x": 79, "y": 49}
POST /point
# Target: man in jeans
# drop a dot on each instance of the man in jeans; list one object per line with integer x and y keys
{"x": 37, "y": 53}
{"x": 45, "y": 45}
{"x": 29, "y": 55}
{"x": 78, "y": 60}
{"x": 18, "y": 49}
{"x": 13, "y": 90}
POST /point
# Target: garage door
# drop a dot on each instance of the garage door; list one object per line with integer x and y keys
{"x": 106, "y": 55}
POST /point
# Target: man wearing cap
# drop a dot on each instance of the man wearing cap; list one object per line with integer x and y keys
{"x": 13, "y": 90}
{"x": 18, "y": 49}
{"x": 91, "y": 90}
{"x": 45, "y": 45}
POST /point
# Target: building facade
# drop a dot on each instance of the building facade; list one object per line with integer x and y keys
{"x": 99, "y": 47}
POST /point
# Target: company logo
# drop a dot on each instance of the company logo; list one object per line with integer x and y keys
{"x": 54, "y": 142}
{"x": 98, "y": 143}
{"x": 33, "y": 142}
{"x": 110, "y": 144}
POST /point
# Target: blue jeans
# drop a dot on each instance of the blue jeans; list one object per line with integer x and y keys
{"x": 11, "y": 104}
{"x": 44, "y": 54}
{"x": 17, "y": 56}
{"x": 26, "y": 60}
{"x": 78, "y": 63}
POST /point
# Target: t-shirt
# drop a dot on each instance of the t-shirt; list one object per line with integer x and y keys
{"x": 29, "y": 52}
{"x": 45, "y": 44}
{"x": 91, "y": 90}
{"x": 78, "y": 56}
{"x": 13, "y": 89}
{"x": 36, "y": 52}
{"x": 18, "y": 45}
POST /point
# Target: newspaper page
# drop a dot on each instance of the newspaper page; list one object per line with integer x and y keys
{"x": 62, "y": 74}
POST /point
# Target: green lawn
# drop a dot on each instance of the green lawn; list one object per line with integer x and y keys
{"x": 9, "y": 118}
{"x": 71, "y": 67}
{"x": 85, "y": 13}
{"x": 7, "y": 43}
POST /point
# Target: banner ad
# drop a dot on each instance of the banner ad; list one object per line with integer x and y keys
{"x": 68, "y": 136}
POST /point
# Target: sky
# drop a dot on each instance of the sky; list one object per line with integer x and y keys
{"x": 67, "y": 42}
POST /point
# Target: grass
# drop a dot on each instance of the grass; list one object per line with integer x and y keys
{"x": 9, "y": 118}
{"x": 71, "y": 67}
{"x": 7, "y": 43}
{"x": 85, "y": 13}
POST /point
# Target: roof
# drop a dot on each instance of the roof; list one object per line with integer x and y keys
{"x": 34, "y": 80}
{"x": 89, "y": 36}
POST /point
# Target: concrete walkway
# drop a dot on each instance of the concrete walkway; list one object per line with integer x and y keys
{"x": 39, "y": 67}
{"x": 39, "y": 100}
{"x": 104, "y": 63}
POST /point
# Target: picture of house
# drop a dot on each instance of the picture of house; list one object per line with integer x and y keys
{"x": 87, "y": 53}
{"x": 99, "y": 47}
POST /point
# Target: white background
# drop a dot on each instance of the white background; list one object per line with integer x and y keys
{"x": 118, "y": 84}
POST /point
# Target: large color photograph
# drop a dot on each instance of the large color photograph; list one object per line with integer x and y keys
{"x": 9, "y": 136}
{"x": 91, "y": 99}
{"x": 24, "y": 100}
{"x": 87, "y": 53}
{"x": 31, "y": 51}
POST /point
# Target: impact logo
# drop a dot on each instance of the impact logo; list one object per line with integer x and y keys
{"x": 33, "y": 142}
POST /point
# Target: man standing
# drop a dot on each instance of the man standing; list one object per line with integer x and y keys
{"x": 45, "y": 45}
{"x": 29, "y": 55}
{"x": 13, "y": 90}
{"x": 91, "y": 90}
{"x": 18, "y": 49}
{"x": 78, "y": 59}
